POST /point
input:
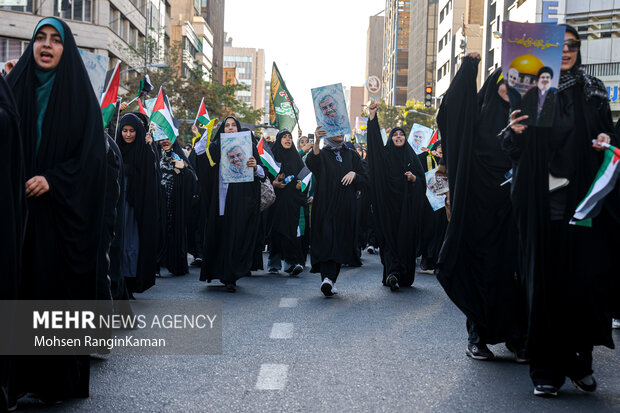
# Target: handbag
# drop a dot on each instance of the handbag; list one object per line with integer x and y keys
{"x": 267, "y": 194}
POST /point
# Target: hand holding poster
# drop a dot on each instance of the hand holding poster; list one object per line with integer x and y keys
{"x": 531, "y": 63}
{"x": 236, "y": 148}
{"x": 436, "y": 200}
{"x": 419, "y": 137}
{"x": 330, "y": 109}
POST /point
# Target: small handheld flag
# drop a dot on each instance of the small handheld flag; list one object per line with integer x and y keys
{"x": 163, "y": 117}
{"x": 110, "y": 94}
{"x": 267, "y": 158}
{"x": 202, "y": 116}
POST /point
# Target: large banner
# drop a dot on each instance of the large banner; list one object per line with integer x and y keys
{"x": 282, "y": 110}
{"x": 531, "y": 63}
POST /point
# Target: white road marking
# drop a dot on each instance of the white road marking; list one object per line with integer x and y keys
{"x": 272, "y": 377}
{"x": 281, "y": 330}
{"x": 288, "y": 302}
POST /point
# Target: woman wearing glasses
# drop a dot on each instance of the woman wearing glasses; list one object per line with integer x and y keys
{"x": 566, "y": 268}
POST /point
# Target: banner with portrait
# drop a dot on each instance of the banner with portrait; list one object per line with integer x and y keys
{"x": 330, "y": 109}
{"x": 435, "y": 192}
{"x": 236, "y": 148}
{"x": 531, "y": 64}
{"x": 419, "y": 138}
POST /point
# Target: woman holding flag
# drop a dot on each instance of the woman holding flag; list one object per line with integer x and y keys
{"x": 287, "y": 225}
{"x": 567, "y": 268}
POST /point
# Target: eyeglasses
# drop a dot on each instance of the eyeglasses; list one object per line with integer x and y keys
{"x": 572, "y": 44}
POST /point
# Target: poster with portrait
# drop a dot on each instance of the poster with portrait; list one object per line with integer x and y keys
{"x": 361, "y": 130}
{"x": 531, "y": 63}
{"x": 436, "y": 200}
{"x": 330, "y": 109}
{"x": 97, "y": 67}
{"x": 236, "y": 148}
{"x": 419, "y": 137}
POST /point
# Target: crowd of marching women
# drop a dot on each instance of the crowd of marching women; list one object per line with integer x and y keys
{"x": 98, "y": 213}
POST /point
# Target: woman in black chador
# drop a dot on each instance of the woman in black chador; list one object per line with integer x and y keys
{"x": 140, "y": 210}
{"x": 233, "y": 218}
{"x": 397, "y": 188}
{"x": 338, "y": 171}
{"x": 567, "y": 268}
{"x": 434, "y": 223}
{"x": 478, "y": 260}
{"x": 177, "y": 187}
{"x": 285, "y": 233}
{"x": 65, "y": 167}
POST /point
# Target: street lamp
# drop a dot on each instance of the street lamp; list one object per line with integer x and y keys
{"x": 159, "y": 65}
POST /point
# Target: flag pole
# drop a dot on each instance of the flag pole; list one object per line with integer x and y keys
{"x": 118, "y": 114}
{"x": 133, "y": 100}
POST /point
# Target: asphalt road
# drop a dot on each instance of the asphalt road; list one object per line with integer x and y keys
{"x": 287, "y": 348}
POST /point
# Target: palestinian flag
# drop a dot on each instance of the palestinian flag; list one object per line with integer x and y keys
{"x": 433, "y": 139}
{"x": 110, "y": 94}
{"x": 162, "y": 116}
{"x": 267, "y": 158}
{"x": 604, "y": 182}
{"x": 202, "y": 116}
{"x": 142, "y": 110}
{"x": 145, "y": 86}
{"x": 304, "y": 176}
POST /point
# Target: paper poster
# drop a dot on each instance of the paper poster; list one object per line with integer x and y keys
{"x": 531, "y": 63}
{"x": 236, "y": 148}
{"x": 158, "y": 133}
{"x": 97, "y": 67}
{"x": 419, "y": 137}
{"x": 330, "y": 109}
{"x": 148, "y": 106}
{"x": 433, "y": 187}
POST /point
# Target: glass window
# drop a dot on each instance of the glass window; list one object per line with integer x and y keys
{"x": 79, "y": 10}
{"x": 26, "y": 9}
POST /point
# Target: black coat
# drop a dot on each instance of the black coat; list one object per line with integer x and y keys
{"x": 333, "y": 218}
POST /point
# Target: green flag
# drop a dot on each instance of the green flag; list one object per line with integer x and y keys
{"x": 282, "y": 110}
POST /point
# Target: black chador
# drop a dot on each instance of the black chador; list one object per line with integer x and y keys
{"x": 434, "y": 223}
{"x": 333, "y": 234}
{"x": 140, "y": 211}
{"x": 177, "y": 188}
{"x": 477, "y": 263}
{"x": 63, "y": 142}
{"x": 285, "y": 235}
{"x": 397, "y": 204}
{"x": 232, "y": 222}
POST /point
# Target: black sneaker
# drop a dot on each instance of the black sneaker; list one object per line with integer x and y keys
{"x": 545, "y": 390}
{"x": 273, "y": 271}
{"x": 297, "y": 270}
{"x": 392, "y": 282}
{"x": 326, "y": 287}
{"x": 479, "y": 352}
{"x": 586, "y": 384}
{"x": 197, "y": 262}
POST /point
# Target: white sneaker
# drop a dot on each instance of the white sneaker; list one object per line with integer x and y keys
{"x": 334, "y": 290}
{"x": 615, "y": 323}
{"x": 327, "y": 287}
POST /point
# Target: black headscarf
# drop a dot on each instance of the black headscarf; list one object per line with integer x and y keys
{"x": 71, "y": 153}
{"x": 291, "y": 162}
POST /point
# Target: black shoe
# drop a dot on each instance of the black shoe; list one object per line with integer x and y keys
{"x": 479, "y": 352}
{"x": 545, "y": 390}
{"x": 296, "y": 270}
{"x": 326, "y": 287}
{"x": 273, "y": 271}
{"x": 392, "y": 281}
{"x": 231, "y": 288}
{"x": 586, "y": 384}
{"x": 520, "y": 355}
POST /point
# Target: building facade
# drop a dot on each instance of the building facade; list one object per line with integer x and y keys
{"x": 354, "y": 99}
{"x": 374, "y": 52}
{"x": 193, "y": 35}
{"x": 422, "y": 51}
{"x": 396, "y": 51}
{"x": 250, "y": 70}
{"x": 213, "y": 13}
{"x": 116, "y": 29}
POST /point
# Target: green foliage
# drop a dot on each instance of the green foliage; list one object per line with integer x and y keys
{"x": 185, "y": 92}
{"x": 404, "y": 116}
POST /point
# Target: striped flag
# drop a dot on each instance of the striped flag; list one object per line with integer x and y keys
{"x": 202, "y": 116}
{"x": 162, "y": 116}
{"x": 304, "y": 176}
{"x": 110, "y": 94}
{"x": 433, "y": 139}
{"x": 604, "y": 182}
{"x": 267, "y": 158}
{"x": 145, "y": 86}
